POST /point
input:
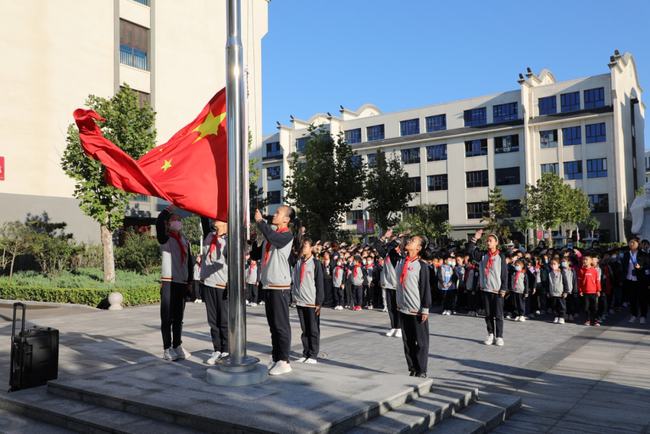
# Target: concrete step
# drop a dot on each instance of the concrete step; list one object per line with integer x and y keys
{"x": 422, "y": 413}
{"x": 43, "y": 412}
{"x": 482, "y": 416}
{"x": 11, "y": 423}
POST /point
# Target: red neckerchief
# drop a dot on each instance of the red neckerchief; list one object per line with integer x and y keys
{"x": 267, "y": 251}
{"x": 337, "y": 270}
{"x": 213, "y": 244}
{"x": 490, "y": 262}
{"x": 302, "y": 269}
{"x": 175, "y": 235}
{"x": 405, "y": 269}
{"x": 355, "y": 270}
{"x": 517, "y": 274}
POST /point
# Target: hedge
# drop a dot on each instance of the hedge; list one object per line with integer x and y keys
{"x": 95, "y": 297}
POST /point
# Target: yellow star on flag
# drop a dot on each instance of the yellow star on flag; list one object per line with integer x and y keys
{"x": 166, "y": 165}
{"x": 210, "y": 125}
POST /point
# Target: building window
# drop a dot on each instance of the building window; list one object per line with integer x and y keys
{"x": 594, "y": 98}
{"x": 597, "y": 168}
{"x": 301, "y": 144}
{"x": 409, "y": 127}
{"x": 134, "y": 45}
{"x": 273, "y": 149}
{"x": 354, "y": 216}
{"x": 443, "y": 209}
{"x": 573, "y": 169}
{"x": 595, "y": 133}
{"x": 599, "y": 202}
{"x": 571, "y": 136}
{"x": 504, "y": 112}
{"x": 550, "y": 168}
{"x": 144, "y": 2}
{"x": 477, "y": 210}
{"x": 506, "y": 144}
{"x": 273, "y": 173}
{"x": 141, "y": 198}
{"x": 570, "y": 102}
{"x": 411, "y": 156}
{"x": 475, "y": 117}
{"x": 356, "y": 161}
{"x": 506, "y": 176}
{"x": 547, "y": 105}
{"x": 477, "y": 178}
{"x": 437, "y": 182}
{"x": 476, "y": 147}
{"x": 437, "y": 152}
{"x": 372, "y": 160}
{"x": 375, "y": 132}
{"x": 436, "y": 123}
{"x": 353, "y": 136}
{"x": 514, "y": 208}
{"x": 414, "y": 184}
{"x": 548, "y": 139}
{"x": 274, "y": 197}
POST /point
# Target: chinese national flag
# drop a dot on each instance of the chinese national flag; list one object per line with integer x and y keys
{"x": 190, "y": 170}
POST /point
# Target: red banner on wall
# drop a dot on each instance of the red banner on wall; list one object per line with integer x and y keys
{"x": 2, "y": 168}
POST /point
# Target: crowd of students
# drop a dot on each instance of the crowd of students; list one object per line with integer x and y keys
{"x": 404, "y": 276}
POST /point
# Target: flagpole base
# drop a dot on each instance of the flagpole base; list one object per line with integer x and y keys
{"x": 247, "y": 373}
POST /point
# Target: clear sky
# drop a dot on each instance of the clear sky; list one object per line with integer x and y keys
{"x": 319, "y": 54}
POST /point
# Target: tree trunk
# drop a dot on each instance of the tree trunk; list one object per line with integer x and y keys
{"x": 109, "y": 259}
{"x": 13, "y": 260}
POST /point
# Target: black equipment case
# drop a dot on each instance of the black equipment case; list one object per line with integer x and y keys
{"x": 34, "y": 354}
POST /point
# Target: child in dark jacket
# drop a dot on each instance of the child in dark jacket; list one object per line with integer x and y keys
{"x": 447, "y": 284}
{"x": 519, "y": 289}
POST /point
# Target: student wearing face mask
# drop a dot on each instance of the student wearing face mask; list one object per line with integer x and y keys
{"x": 519, "y": 289}
{"x": 448, "y": 284}
{"x": 176, "y": 278}
{"x": 558, "y": 289}
{"x": 338, "y": 282}
{"x": 572, "y": 299}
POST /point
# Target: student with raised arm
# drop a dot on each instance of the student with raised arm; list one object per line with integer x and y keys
{"x": 388, "y": 248}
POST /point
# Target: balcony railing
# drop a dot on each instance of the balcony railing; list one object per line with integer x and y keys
{"x": 133, "y": 57}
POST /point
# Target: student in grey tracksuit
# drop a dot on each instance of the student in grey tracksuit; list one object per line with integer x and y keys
{"x": 493, "y": 283}
{"x": 388, "y": 278}
{"x": 176, "y": 278}
{"x": 252, "y": 279}
{"x": 309, "y": 293}
{"x": 519, "y": 289}
{"x": 558, "y": 290}
{"x": 413, "y": 295}
{"x": 214, "y": 278}
{"x": 338, "y": 282}
{"x": 275, "y": 274}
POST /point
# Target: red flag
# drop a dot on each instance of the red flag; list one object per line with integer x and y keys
{"x": 190, "y": 170}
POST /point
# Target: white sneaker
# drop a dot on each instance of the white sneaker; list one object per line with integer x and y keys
{"x": 384, "y": 310}
{"x": 556, "y": 320}
{"x": 561, "y": 321}
{"x": 537, "y": 312}
{"x": 390, "y": 333}
{"x": 632, "y": 319}
{"x": 169, "y": 354}
{"x": 489, "y": 340}
{"x": 224, "y": 355}
{"x": 517, "y": 318}
{"x": 311, "y": 361}
{"x": 499, "y": 342}
{"x": 398, "y": 333}
{"x": 253, "y": 305}
{"x": 522, "y": 318}
{"x": 261, "y": 303}
{"x": 181, "y": 353}
{"x": 216, "y": 355}
{"x": 642, "y": 320}
{"x": 301, "y": 360}
{"x": 281, "y": 367}
{"x": 271, "y": 362}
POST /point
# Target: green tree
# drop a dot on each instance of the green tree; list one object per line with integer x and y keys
{"x": 576, "y": 209}
{"x": 130, "y": 127}
{"x": 430, "y": 221}
{"x": 52, "y": 248}
{"x": 498, "y": 219}
{"x": 15, "y": 242}
{"x": 387, "y": 190}
{"x": 323, "y": 182}
{"x": 255, "y": 193}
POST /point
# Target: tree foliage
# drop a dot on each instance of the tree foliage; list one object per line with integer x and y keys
{"x": 498, "y": 219}
{"x": 427, "y": 220}
{"x": 387, "y": 190}
{"x": 324, "y": 182}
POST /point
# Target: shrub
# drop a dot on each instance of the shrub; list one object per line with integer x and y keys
{"x": 139, "y": 253}
{"x": 94, "y": 297}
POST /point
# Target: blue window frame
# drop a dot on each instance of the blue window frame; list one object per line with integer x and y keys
{"x": 594, "y": 98}
{"x": 274, "y": 197}
{"x": 547, "y": 105}
{"x": 414, "y": 184}
{"x": 356, "y": 161}
{"x": 375, "y": 132}
{"x": 595, "y": 133}
{"x": 475, "y": 117}
{"x": 436, "y": 123}
{"x": 476, "y": 147}
{"x": 548, "y": 139}
{"x": 437, "y": 152}
{"x": 273, "y": 149}
{"x": 573, "y": 169}
{"x": 437, "y": 182}
{"x": 477, "y": 210}
{"x": 133, "y": 57}
{"x": 597, "y": 168}
{"x": 507, "y": 176}
{"x": 410, "y": 156}
{"x": 570, "y": 102}
{"x": 505, "y": 144}
{"x": 353, "y": 136}
{"x": 372, "y": 160}
{"x": 477, "y": 178}
{"x": 599, "y": 202}
{"x": 301, "y": 144}
{"x": 409, "y": 127}
{"x": 550, "y": 168}
{"x": 273, "y": 173}
{"x": 505, "y": 112}
{"x": 571, "y": 136}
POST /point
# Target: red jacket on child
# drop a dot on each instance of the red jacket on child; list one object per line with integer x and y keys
{"x": 588, "y": 282}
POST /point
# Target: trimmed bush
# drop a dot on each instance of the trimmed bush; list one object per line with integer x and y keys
{"x": 95, "y": 297}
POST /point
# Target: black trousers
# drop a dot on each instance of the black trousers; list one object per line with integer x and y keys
{"x": 449, "y": 299}
{"x": 216, "y": 305}
{"x": 391, "y": 306}
{"x": 338, "y": 296}
{"x": 591, "y": 306}
{"x": 310, "y": 337}
{"x": 520, "y": 304}
{"x": 572, "y": 304}
{"x": 328, "y": 288}
{"x": 638, "y": 293}
{"x": 251, "y": 292}
{"x": 348, "y": 294}
{"x": 172, "y": 307}
{"x": 493, "y": 304}
{"x": 277, "y": 315}
{"x": 196, "y": 289}
{"x": 559, "y": 306}
{"x": 415, "y": 335}
{"x": 357, "y": 295}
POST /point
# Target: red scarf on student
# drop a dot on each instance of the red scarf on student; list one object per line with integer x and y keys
{"x": 405, "y": 269}
{"x": 302, "y": 269}
{"x": 213, "y": 244}
{"x": 267, "y": 250}
{"x": 517, "y": 274}
{"x": 490, "y": 261}
{"x": 175, "y": 235}
{"x": 355, "y": 270}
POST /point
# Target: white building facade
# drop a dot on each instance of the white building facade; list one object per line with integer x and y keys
{"x": 589, "y": 131}
{"x": 57, "y": 53}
